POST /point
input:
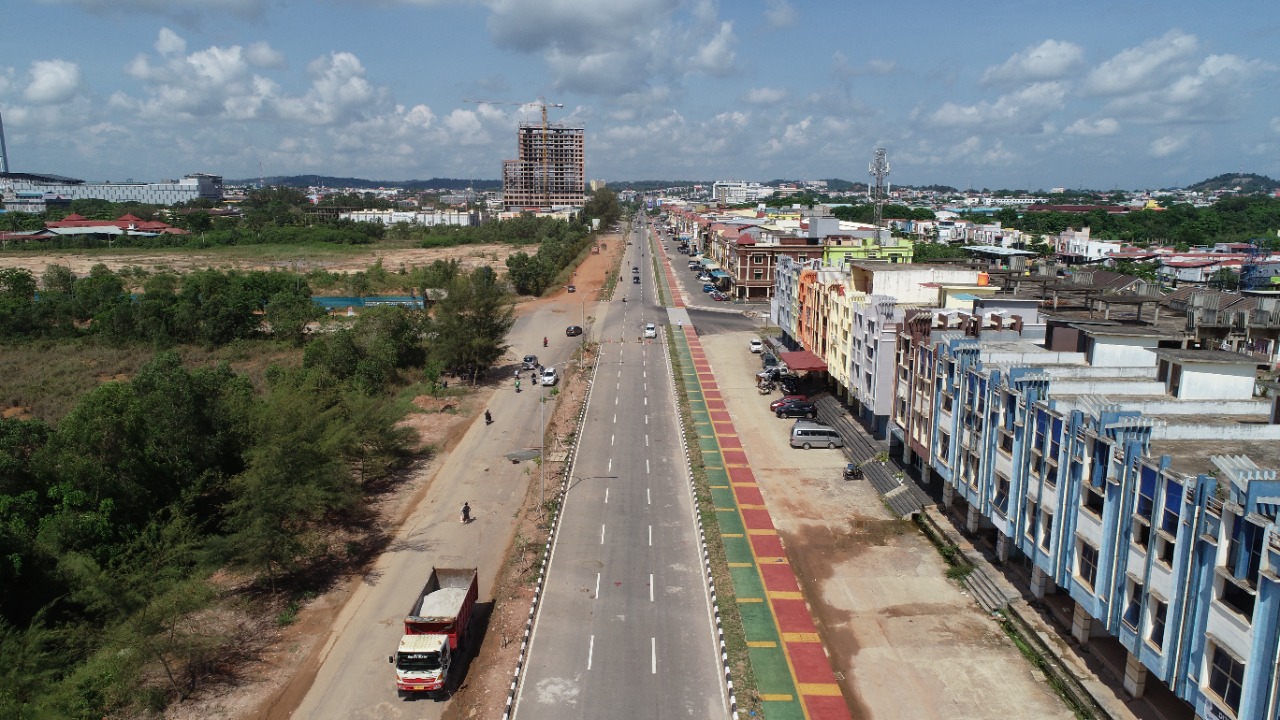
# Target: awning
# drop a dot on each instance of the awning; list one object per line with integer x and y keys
{"x": 803, "y": 361}
{"x": 719, "y": 274}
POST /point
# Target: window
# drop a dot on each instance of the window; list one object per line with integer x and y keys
{"x": 757, "y": 274}
{"x": 757, "y": 258}
{"x": 1172, "y": 504}
{"x": 1146, "y": 493}
{"x": 1244, "y": 554}
{"x": 1133, "y": 608}
{"x": 1046, "y": 531}
{"x": 1030, "y": 520}
{"x": 1226, "y": 677}
{"x": 1237, "y": 598}
{"x": 1159, "y": 611}
{"x": 1087, "y": 563}
{"x": 1141, "y": 534}
{"x": 1002, "y": 494}
{"x": 1164, "y": 550}
{"x": 1092, "y": 500}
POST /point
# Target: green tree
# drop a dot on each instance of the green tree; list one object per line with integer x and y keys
{"x": 472, "y": 322}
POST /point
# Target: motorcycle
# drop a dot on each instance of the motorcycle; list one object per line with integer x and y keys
{"x": 852, "y": 472}
{"x": 544, "y": 342}
{"x": 488, "y": 419}
{"x": 766, "y": 388}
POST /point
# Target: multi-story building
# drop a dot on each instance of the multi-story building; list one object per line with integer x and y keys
{"x": 1133, "y": 476}
{"x": 738, "y": 193}
{"x": 414, "y": 217}
{"x": 197, "y": 186}
{"x": 549, "y": 170}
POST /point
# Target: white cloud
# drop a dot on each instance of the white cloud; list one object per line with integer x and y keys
{"x": 1023, "y": 110}
{"x": 53, "y": 82}
{"x": 1050, "y": 60}
{"x": 1143, "y": 67}
{"x": 779, "y": 13}
{"x": 1218, "y": 88}
{"x": 1163, "y": 147}
{"x": 170, "y": 43}
{"x": 766, "y": 95}
{"x": 841, "y": 66}
{"x": 1090, "y": 128}
{"x": 261, "y": 54}
{"x": 716, "y": 56}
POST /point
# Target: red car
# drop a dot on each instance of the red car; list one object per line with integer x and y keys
{"x": 773, "y": 406}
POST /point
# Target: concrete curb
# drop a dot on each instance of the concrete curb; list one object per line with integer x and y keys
{"x": 706, "y": 554}
{"x": 536, "y": 604}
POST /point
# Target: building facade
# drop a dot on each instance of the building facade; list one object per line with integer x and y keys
{"x": 550, "y": 168}
{"x": 198, "y": 186}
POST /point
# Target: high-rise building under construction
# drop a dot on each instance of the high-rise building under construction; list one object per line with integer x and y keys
{"x": 549, "y": 170}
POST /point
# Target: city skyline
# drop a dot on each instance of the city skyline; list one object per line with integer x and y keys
{"x": 1004, "y": 96}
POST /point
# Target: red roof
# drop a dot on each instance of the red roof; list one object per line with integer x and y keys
{"x": 803, "y": 361}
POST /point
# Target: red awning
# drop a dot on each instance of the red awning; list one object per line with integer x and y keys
{"x": 803, "y": 361}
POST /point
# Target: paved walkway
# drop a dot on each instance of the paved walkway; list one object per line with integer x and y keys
{"x": 793, "y": 676}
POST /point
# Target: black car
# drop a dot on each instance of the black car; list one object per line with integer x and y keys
{"x": 635, "y": 279}
{"x": 798, "y": 408}
{"x": 573, "y": 331}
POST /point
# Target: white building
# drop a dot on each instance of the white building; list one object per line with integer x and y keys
{"x": 414, "y": 217}
{"x": 737, "y": 193}
{"x": 191, "y": 187}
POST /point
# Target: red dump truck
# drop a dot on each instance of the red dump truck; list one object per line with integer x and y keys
{"x": 435, "y": 631}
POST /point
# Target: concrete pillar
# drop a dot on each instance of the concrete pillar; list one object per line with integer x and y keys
{"x": 1039, "y": 583}
{"x": 1081, "y": 625}
{"x": 1135, "y": 676}
{"x": 948, "y": 495}
{"x": 908, "y": 456}
{"x": 1002, "y": 547}
{"x": 971, "y": 519}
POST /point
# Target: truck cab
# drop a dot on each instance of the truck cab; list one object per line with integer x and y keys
{"x": 422, "y": 663}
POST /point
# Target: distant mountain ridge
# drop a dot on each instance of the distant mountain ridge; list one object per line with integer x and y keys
{"x": 1246, "y": 182}
{"x": 305, "y": 181}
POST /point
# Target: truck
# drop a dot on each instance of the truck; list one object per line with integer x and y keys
{"x": 435, "y": 632}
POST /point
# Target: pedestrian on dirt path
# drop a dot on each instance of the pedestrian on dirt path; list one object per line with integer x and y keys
{"x": 517, "y": 384}
{"x": 466, "y": 513}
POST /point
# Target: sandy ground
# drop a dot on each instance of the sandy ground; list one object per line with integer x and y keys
{"x": 905, "y": 641}
{"x": 277, "y": 674}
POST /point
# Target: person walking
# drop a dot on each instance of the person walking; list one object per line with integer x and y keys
{"x": 466, "y": 513}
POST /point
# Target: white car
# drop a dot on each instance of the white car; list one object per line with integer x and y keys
{"x": 549, "y": 377}
{"x": 757, "y": 345}
{"x": 650, "y": 331}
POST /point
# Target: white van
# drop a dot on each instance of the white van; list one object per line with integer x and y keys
{"x": 807, "y": 434}
{"x": 651, "y": 330}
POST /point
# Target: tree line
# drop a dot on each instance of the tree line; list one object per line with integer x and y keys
{"x": 115, "y": 519}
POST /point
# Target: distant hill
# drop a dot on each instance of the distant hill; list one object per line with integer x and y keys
{"x": 1241, "y": 182}
{"x": 304, "y": 181}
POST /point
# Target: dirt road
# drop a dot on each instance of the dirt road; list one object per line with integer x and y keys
{"x": 905, "y": 641}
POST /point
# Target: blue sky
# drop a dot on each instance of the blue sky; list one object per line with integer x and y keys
{"x": 999, "y": 94}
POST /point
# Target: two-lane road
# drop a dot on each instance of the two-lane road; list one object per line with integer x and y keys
{"x": 625, "y": 628}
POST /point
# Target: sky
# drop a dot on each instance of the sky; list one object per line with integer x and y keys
{"x": 1001, "y": 94}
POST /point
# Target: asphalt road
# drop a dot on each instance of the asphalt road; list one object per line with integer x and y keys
{"x": 354, "y": 679}
{"x": 625, "y": 629}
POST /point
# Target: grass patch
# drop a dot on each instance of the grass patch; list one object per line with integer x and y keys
{"x": 744, "y": 680}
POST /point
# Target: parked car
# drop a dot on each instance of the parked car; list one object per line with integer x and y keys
{"x": 790, "y": 384}
{"x": 773, "y": 406}
{"x": 797, "y": 408}
{"x": 573, "y": 331}
{"x": 530, "y": 362}
{"x": 756, "y": 345}
{"x": 572, "y": 289}
{"x": 768, "y": 360}
{"x": 708, "y": 288}
{"x": 811, "y": 434}
{"x": 549, "y": 377}
{"x": 650, "y": 331}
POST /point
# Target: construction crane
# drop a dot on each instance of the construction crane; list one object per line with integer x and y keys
{"x": 544, "y": 160}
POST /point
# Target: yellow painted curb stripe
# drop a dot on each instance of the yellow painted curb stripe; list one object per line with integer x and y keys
{"x": 763, "y": 560}
{"x": 823, "y": 689}
{"x": 762, "y": 644}
{"x": 777, "y": 698}
{"x": 785, "y": 595}
{"x": 760, "y": 531}
{"x": 751, "y": 507}
{"x": 718, "y": 487}
{"x": 730, "y": 535}
{"x": 741, "y": 565}
{"x": 800, "y": 637}
{"x": 750, "y": 600}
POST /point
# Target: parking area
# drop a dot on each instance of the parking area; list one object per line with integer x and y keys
{"x": 904, "y": 641}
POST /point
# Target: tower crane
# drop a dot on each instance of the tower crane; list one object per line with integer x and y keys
{"x": 542, "y": 103}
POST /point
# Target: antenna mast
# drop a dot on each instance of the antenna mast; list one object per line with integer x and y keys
{"x": 879, "y": 169}
{"x": 4, "y": 153}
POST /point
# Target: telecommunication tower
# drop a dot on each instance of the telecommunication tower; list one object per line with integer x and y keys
{"x": 4, "y": 153}
{"x": 879, "y": 169}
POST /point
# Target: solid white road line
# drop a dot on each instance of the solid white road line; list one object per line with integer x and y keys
{"x": 606, "y": 496}
{"x": 648, "y": 500}
{"x": 591, "y": 648}
{"x": 653, "y": 653}
{"x": 650, "y": 536}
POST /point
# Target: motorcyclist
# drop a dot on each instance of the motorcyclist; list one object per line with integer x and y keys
{"x": 544, "y": 342}
{"x": 488, "y": 419}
